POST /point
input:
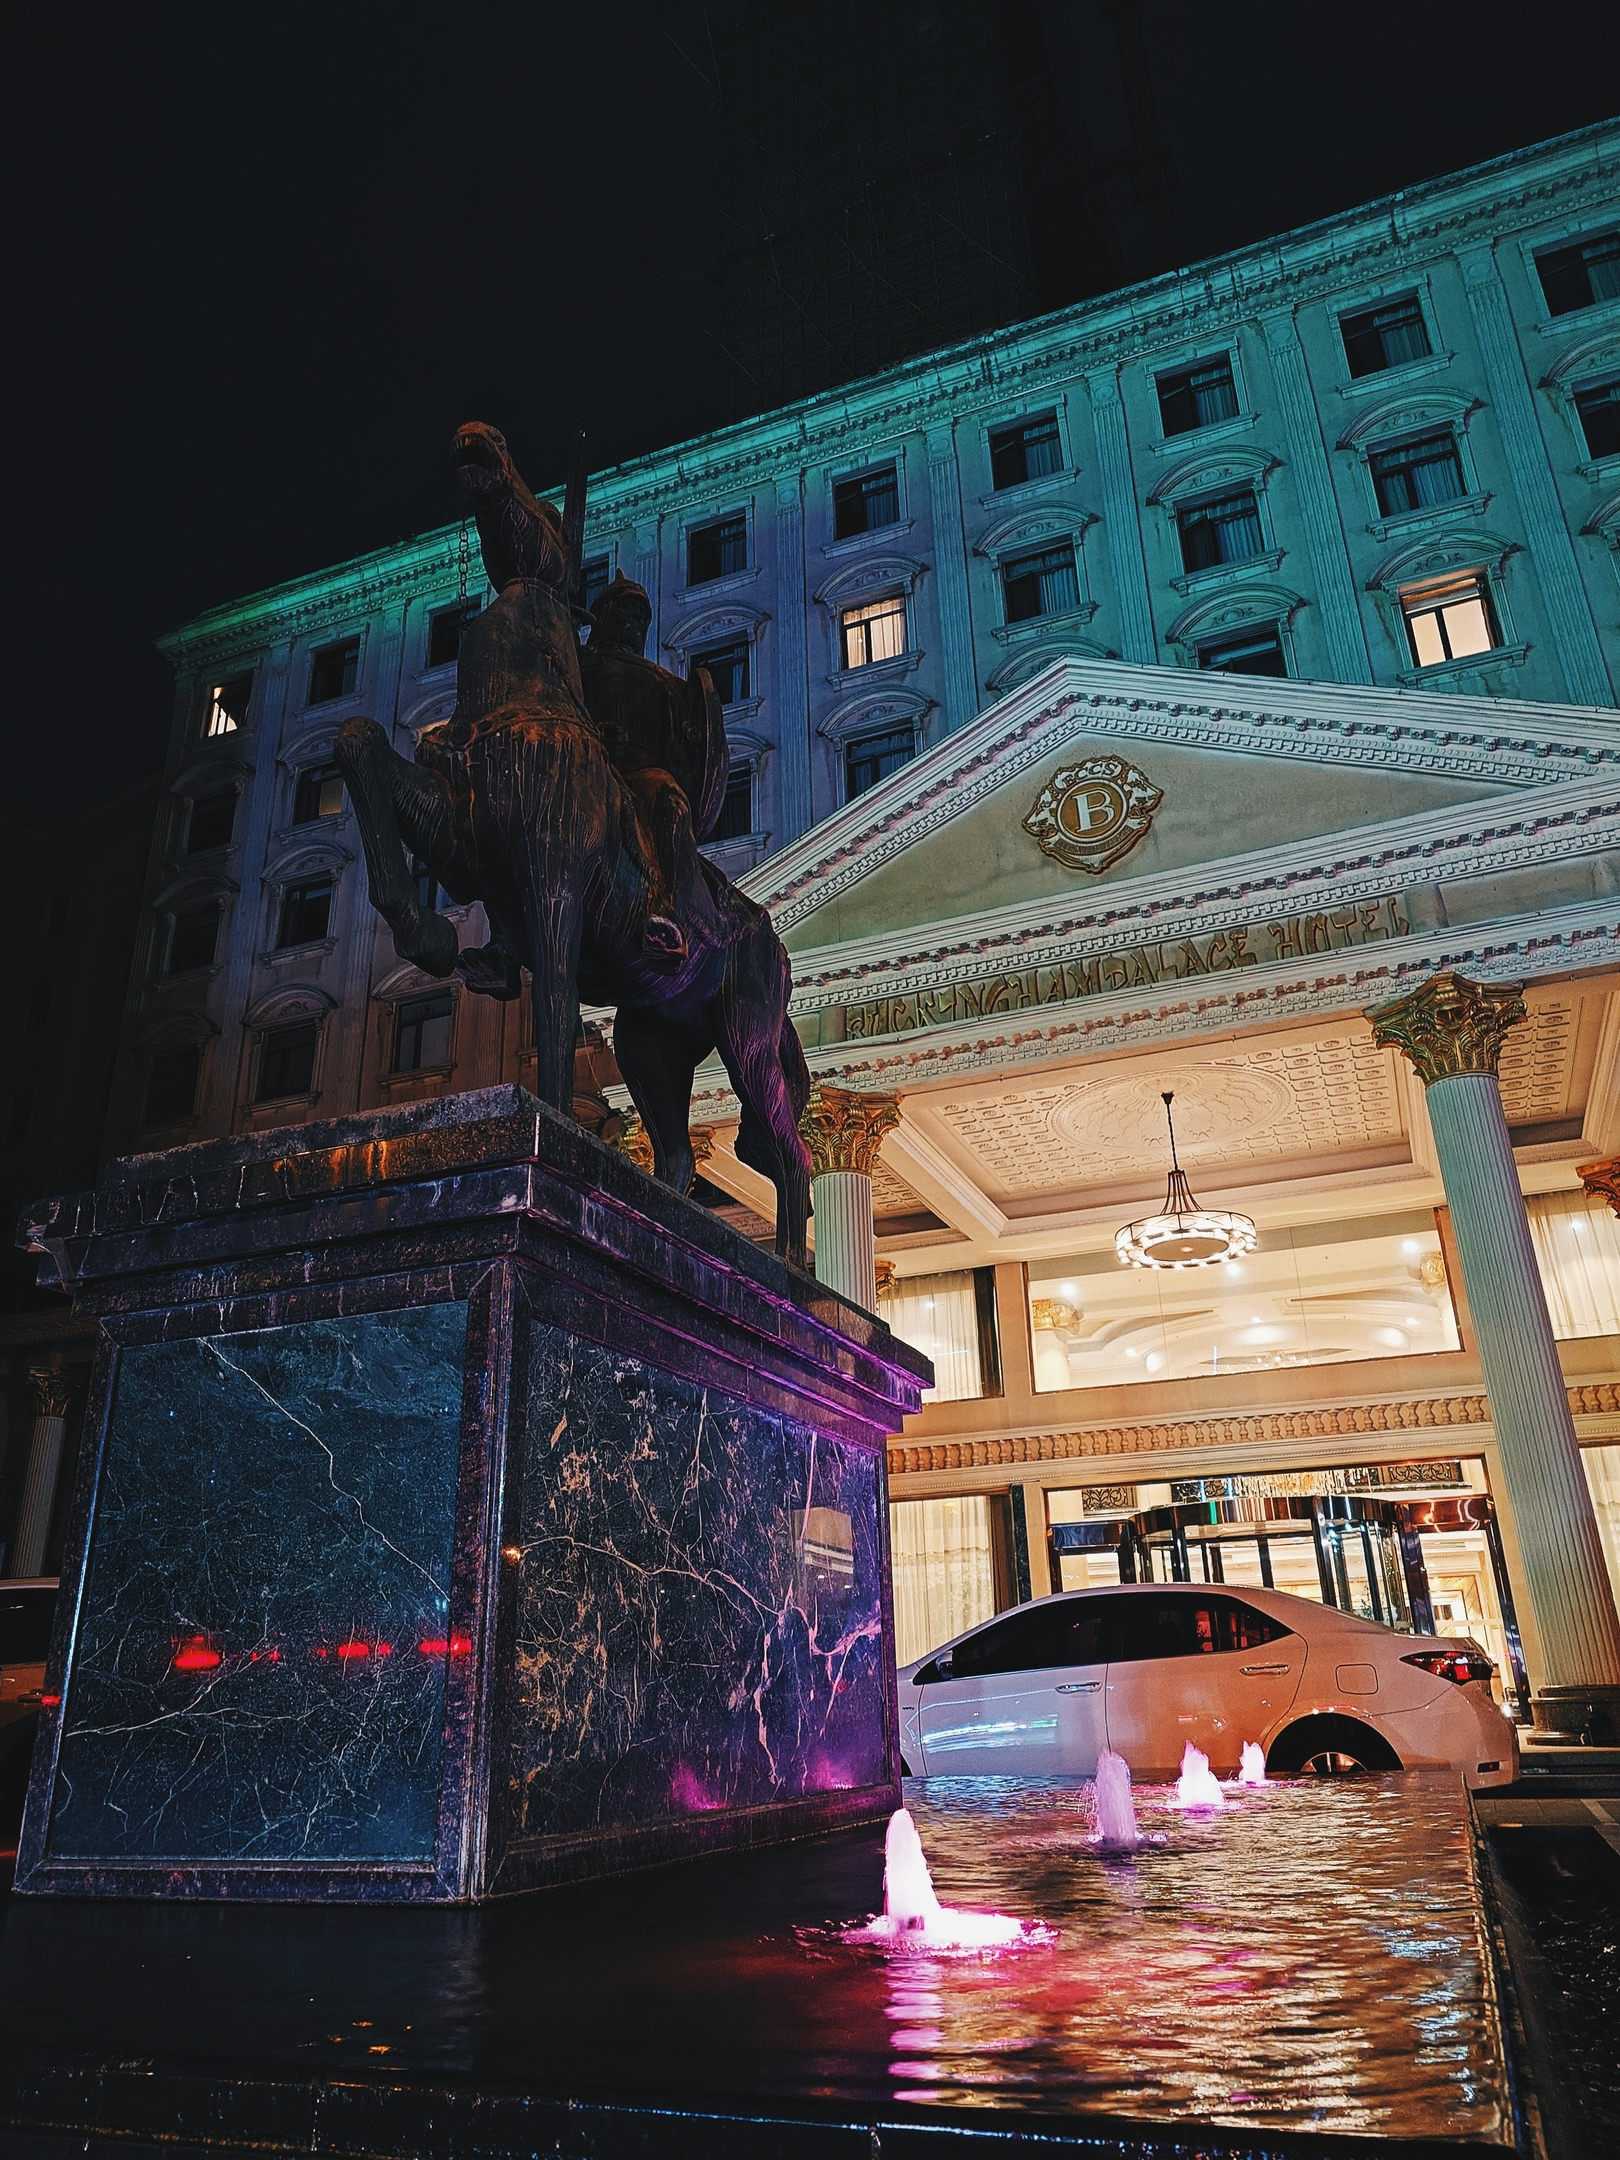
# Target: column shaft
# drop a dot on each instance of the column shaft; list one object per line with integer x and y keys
{"x": 1122, "y": 519}
{"x": 792, "y": 673}
{"x": 951, "y": 569}
{"x": 38, "y": 1496}
{"x": 1313, "y": 484}
{"x": 846, "y": 1250}
{"x": 1541, "y": 1466}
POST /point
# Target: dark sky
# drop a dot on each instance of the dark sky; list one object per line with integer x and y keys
{"x": 262, "y": 259}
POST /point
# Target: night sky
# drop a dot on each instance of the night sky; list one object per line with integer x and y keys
{"x": 263, "y": 259}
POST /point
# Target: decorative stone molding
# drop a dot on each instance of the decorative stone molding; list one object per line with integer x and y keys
{"x": 52, "y": 1391}
{"x": 1602, "y": 1180}
{"x": 1090, "y": 814}
{"x": 844, "y": 1128}
{"x": 1449, "y": 1025}
{"x": 634, "y": 1140}
{"x": 882, "y": 706}
{"x": 708, "y": 626}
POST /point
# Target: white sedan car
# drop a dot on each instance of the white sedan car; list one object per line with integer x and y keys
{"x": 1143, "y": 1669}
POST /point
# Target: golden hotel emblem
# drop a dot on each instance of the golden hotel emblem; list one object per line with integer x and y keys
{"x": 1089, "y": 815}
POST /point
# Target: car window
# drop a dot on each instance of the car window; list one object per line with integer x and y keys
{"x": 1064, "y": 1632}
{"x": 1175, "y": 1625}
{"x": 25, "y": 1625}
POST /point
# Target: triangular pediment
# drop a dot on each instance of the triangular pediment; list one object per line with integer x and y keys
{"x": 1000, "y": 819}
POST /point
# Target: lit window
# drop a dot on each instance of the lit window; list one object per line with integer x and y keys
{"x": 595, "y": 579}
{"x": 728, "y": 669}
{"x": 874, "y": 632}
{"x": 1579, "y": 276}
{"x": 1224, "y": 530}
{"x": 1599, "y": 408}
{"x": 193, "y": 939}
{"x": 171, "y": 1085}
{"x": 1449, "y": 621}
{"x": 422, "y": 1034}
{"x": 1256, "y": 652}
{"x": 1197, "y": 397}
{"x": 446, "y": 629}
{"x": 1385, "y": 336}
{"x": 1027, "y": 450}
{"x": 737, "y": 811}
{"x": 1415, "y": 475}
{"x": 212, "y": 821}
{"x": 871, "y": 758}
{"x": 334, "y": 671}
{"x": 1045, "y": 583}
{"x": 865, "y": 503}
{"x": 717, "y": 550}
{"x": 305, "y": 911}
{"x": 287, "y": 1061}
{"x": 228, "y": 704}
{"x": 319, "y": 794}
{"x": 427, "y": 885}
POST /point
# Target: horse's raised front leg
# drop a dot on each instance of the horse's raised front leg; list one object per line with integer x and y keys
{"x": 396, "y": 803}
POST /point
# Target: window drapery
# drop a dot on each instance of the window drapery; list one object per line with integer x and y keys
{"x": 939, "y": 1315}
{"x": 944, "y": 1576}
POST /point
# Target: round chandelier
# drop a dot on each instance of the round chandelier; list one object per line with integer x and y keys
{"x": 1183, "y": 1234}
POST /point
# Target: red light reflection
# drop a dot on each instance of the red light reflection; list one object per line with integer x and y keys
{"x": 456, "y": 1646}
{"x": 194, "y": 1655}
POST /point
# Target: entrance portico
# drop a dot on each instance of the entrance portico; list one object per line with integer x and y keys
{"x": 1122, "y": 881}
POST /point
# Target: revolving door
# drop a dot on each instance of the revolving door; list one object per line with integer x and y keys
{"x": 1364, "y": 1556}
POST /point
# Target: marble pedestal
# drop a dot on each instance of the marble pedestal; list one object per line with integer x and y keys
{"x": 458, "y": 1511}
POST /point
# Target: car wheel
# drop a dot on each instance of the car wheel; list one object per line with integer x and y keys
{"x": 1330, "y": 1747}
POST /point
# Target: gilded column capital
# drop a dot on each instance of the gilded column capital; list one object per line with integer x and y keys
{"x": 52, "y": 1391}
{"x": 636, "y": 1142}
{"x": 702, "y": 1139}
{"x": 843, "y": 1127}
{"x": 1602, "y": 1180}
{"x": 1449, "y": 1025}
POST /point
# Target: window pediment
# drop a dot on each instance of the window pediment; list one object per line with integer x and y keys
{"x": 1587, "y": 356}
{"x": 1402, "y": 415}
{"x": 428, "y": 711}
{"x": 176, "y": 1031}
{"x": 207, "y": 775}
{"x": 887, "y": 572}
{"x": 1031, "y": 528}
{"x": 1258, "y": 604}
{"x": 295, "y": 1001}
{"x": 1023, "y": 667}
{"x": 1435, "y": 553}
{"x": 1232, "y": 465}
{"x": 194, "y": 890}
{"x": 408, "y": 980}
{"x": 879, "y": 709}
{"x": 1605, "y": 519}
{"x": 709, "y": 625}
{"x": 309, "y": 859}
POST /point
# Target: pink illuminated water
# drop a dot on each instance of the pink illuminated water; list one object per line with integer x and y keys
{"x": 914, "y": 1919}
{"x": 1253, "y": 1771}
{"x": 1197, "y": 1786}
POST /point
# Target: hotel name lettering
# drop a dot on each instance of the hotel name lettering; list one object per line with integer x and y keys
{"x": 1138, "y": 967}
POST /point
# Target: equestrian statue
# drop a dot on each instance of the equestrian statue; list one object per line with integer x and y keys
{"x": 569, "y": 791}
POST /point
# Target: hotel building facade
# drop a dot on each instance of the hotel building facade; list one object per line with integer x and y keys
{"x": 1120, "y": 705}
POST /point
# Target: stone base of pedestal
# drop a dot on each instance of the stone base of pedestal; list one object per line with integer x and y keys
{"x": 459, "y": 1511}
{"x": 1589, "y": 1714}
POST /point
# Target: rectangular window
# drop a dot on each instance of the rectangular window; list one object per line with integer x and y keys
{"x": 212, "y": 821}
{"x": 446, "y": 628}
{"x": 193, "y": 939}
{"x": 1602, "y": 1467}
{"x": 1599, "y": 408}
{"x": 1415, "y": 475}
{"x": 717, "y": 550}
{"x": 939, "y": 1315}
{"x": 287, "y": 1061}
{"x": 171, "y": 1085}
{"x": 871, "y": 758}
{"x": 874, "y": 632}
{"x": 1449, "y": 621}
{"x": 1578, "y": 276}
{"x": 319, "y": 794}
{"x": 737, "y": 811}
{"x": 305, "y": 910}
{"x": 1577, "y": 1249}
{"x": 1226, "y": 530}
{"x": 1383, "y": 336}
{"x": 1323, "y": 1294}
{"x": 334, "y": 671}
{"x": 1198, "y": 396}
{"x": 427, "y": 885}
{"x": 422, "y": 1034}
{"x": 228, "y": 704}
{"x": 944, "y": 1570}
{"x": 728, "y": 669}
{"x": 865, "y": 503}
{"x": 595, "y": 578}
{"x": 1046, "y": 583}
{"x": 1257, "y": 652}
{"x": 1027, "y": 450}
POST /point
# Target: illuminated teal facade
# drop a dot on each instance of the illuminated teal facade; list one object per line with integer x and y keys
{"x": 1276, "y": 460}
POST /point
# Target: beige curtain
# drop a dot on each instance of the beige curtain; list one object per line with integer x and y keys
{"x": 943, "y": 1579}
{"x": 1603, "y": 1475}
{"x": 1578, "y": 1251}
{"x": 939, "y": 1315}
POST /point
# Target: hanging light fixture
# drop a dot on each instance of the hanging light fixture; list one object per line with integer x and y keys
{"x": 1183, "y": 1234}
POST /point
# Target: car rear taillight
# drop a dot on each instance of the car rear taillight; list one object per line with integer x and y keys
{"x": 1458, "y": 1665}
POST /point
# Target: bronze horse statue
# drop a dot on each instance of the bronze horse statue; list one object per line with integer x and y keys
{"x": 548, "y": 804}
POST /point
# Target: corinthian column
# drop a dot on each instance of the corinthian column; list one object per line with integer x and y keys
{"x": 843, "y": 1129}
{"x": 1451, "y": 1030}
{"x": 52, "y": 1393}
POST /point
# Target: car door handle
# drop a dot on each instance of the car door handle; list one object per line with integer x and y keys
{"x": 1078, "y": 1687}
{"x": 1265, "y": 1668}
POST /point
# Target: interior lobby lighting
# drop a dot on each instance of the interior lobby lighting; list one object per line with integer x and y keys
{"x": 1182, "y": 1234}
